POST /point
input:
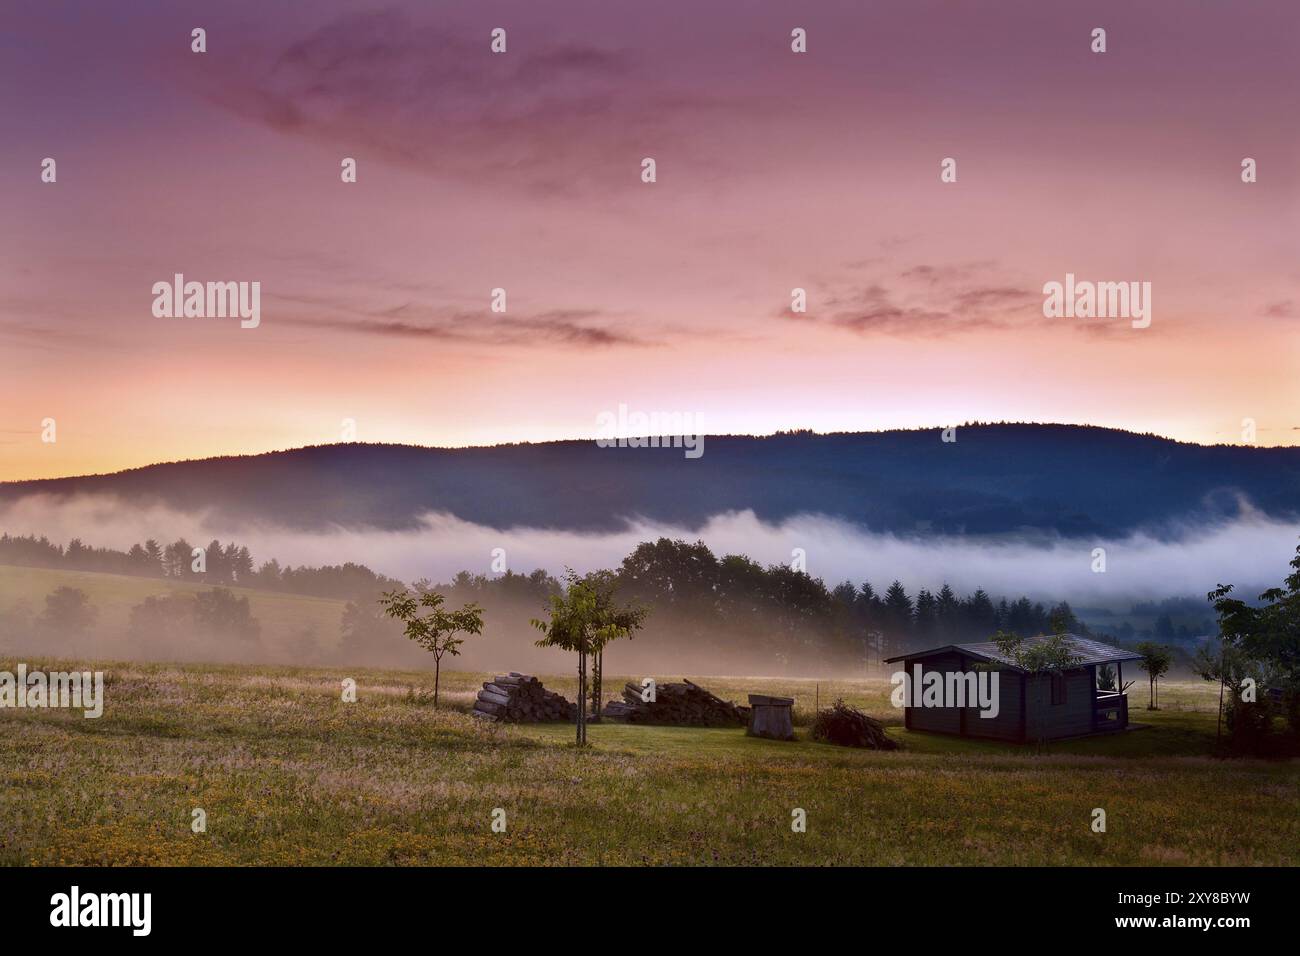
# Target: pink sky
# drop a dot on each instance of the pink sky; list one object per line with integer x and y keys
{"x": 521, "y": 171}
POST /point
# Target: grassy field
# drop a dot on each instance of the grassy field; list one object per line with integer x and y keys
{"x": 288, "y": 773}
{"x": 288, "y": 620}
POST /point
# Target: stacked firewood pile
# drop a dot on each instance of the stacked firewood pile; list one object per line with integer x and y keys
{"x": 684, "y": 704}
{"x": 521, "y": 698}
{"x": 850, "y": 727}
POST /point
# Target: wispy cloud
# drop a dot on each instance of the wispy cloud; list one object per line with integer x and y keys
{"x": 922, "y": 300}
{"x": 576, "y": 328}
{"x": 554, "y": 118}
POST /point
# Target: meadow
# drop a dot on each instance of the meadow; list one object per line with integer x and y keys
{"x": 287, "y": 772}
{"x": 292, "y": 624}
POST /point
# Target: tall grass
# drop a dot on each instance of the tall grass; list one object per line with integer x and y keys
{"x": 288, "y": 773}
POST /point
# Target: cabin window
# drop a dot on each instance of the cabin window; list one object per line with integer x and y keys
{"x": 1058, "y": 689}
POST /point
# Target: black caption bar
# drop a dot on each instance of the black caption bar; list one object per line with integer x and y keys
{"x": 142, "y": 905}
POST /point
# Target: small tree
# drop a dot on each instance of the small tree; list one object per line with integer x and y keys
{"x": 1230, "y": 667}
{"x": 584, "y": 619}
{"x": 1051, "y": 655}
{"x": 605, "y": 584}
{"x": 1155, "y": 661}
{"x": 436, "y": 631}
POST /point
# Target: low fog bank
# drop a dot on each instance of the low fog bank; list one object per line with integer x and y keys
{"x": 663, "y": 650}
{"x": 1250, "y": 552}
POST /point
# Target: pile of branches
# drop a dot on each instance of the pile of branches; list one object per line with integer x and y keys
{"x": 849, "y": 727}
{"x": 521, "y": 698}
{"x": 684, "y": 704}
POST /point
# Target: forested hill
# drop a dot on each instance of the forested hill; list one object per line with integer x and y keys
{"x": 994, "y": 479}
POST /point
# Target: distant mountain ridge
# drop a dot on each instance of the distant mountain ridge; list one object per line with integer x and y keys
{"x": 1070, "y": 480}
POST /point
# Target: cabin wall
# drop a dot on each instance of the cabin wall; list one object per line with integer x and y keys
{"x": 1047, "y": 721}
{"x": 1006, "y": 725}
{"x": 967, "y": 721}
{"x": 946, "y": 720}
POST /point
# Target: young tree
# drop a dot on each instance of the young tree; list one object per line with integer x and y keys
{"x": 435, "y": 631}
{"x": 1155, "y": 661}
{"x": 1052, "y": 655}
{"x": 1229, "y": 667}
{"x": 584, "y": 619}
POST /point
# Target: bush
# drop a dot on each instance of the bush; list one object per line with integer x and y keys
{"x": 1260, "y": 728}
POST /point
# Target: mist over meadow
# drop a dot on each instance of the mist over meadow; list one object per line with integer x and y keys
{"x": 1249, "y": 551}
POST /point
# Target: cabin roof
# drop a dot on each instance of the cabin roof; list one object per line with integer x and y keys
{"x": 1089, "y": 651}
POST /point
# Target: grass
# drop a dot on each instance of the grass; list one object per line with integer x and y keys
{"x": 288, "y": 773}
{"x": 285, "y": 618}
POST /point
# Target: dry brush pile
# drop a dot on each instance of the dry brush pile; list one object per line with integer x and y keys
{"x": 850, "y": 727}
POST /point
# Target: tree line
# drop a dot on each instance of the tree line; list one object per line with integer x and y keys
{"x": 772, "y": 609}
{"x": 214, "y": 563}
{"x": 698, "y": 589}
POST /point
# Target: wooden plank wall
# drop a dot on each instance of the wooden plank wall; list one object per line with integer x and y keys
{"x": 1047, "y": 721}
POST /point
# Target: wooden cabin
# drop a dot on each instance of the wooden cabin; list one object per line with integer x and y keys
{"x": 1030, "y": 706}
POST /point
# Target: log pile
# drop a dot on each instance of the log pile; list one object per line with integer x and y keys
{"x": 684, "y": 704}
{"x": 521, "y": 699}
